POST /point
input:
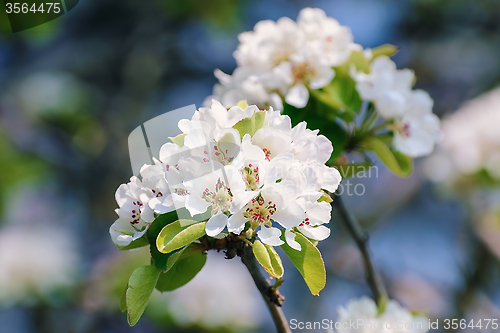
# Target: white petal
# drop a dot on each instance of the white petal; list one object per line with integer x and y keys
{"x": 216, "y": 224}
{"x": 195, "y": 138}
{"x": 290, "y": 239}
{"x": 196, "y": 205}
{"x": 331, "y": 179}
{"x": 236, "y": 223}
{"x": 289, "y": 217}
{"x": 298, "y": 96}
{"x": 391, "y": 104}
{"x": 318, "y": 233}
{"x": 319, "y": 212}
{"x": 270, "y": 236}
{"x": 326, "y": 76}
{"x": 147, "y": 214}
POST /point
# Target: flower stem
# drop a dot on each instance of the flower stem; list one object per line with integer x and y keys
{"x": 361, "y": 238}
{"x": 271, "y": 296}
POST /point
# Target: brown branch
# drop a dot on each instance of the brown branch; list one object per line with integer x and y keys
{"x": 271, "y": 295}
{"x": 361, "y": 238}
{"x": 233, "y": 246}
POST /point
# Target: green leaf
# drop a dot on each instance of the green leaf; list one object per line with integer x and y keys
{"x": 175, "y": 235}
{"x": 182, "y": 253}
{"x": 309, "y": 263}
{"x": 343, "y": 89}
{"x": 178, "y": 140}
{"x": 400, "y": 164}
{"x": 160, "y": 259}
{"x": 251, "y": 124}
{"x": 268, "y": 258}
{"x": 384, "y": 50}
{"x": 140, "y": 242}
{"x": 182, "y": 268}
{"x": 123, "y": 299}
{"x": 359, "y": 61}
{"x": 140, "y": 286}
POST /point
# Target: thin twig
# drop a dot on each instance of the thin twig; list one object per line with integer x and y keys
{"x": 361, "y": 238}
{"x": 270, "y": 294}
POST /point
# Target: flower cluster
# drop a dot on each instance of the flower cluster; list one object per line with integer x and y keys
{"x": 289, "y": 62}
{"x": 415, "y": 127}
{"x": 284, "y": 59}
{"x": 365, "y": 314}
{"x": 248, "y": 169}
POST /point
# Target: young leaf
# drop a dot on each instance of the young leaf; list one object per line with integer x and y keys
{"x": 399, "y": 163}
{"x": 309, "y": 263}
{"x": 159, "y": 259}
{"x": 251, "y": 124}
{"x": 182, "y": 268}
{"x": 384, "y": 50}
{"x": 325, "y": 197}
{"x": 343, "y": 89}
{"x": 178, "y": 140}
{"x": 123, "y": 299}
{"x": 276, "y": 263}
{"x": 359, "y": 61}
{"x": 174, "y": 236}
{"x": 140, "y": 286}
{"x": 268, "y": 258}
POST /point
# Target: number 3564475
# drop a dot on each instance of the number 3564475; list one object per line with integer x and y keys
{"x": 47, "y": 7}
{"x": 455, "y": 324}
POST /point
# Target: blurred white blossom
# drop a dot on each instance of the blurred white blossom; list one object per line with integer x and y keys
{"x": 36, "y": 262}
{"x": 283, "y": 59}
{"x": 221, "y": 295}
{"x": 471, "y": 141}
{"x": 415, "y": 127}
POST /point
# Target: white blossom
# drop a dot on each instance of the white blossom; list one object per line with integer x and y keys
{"x": 416, "y": 129}
{"x": 134, "y": 214}
{"x": 280, "y": 61}
{"x": 386, "y": 86}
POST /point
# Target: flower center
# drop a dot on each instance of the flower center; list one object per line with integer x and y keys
{"x": 157, "y": 194}
{"x": 301, "y": 72}
{"x": 220, "y": 155}
{"x": 258, "y": 212}
{"x": 405, "y": 130}
{"x": 250, "y": 177}
{"x": 267, "y": 152}
{"x": 220, "y": 198}
{"x": 306, "y": 222}
{"x": 136, "y": 213}
{"x": 167, "y": 167}
{"x": 181, "y": 191}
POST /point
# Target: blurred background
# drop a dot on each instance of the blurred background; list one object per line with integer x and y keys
{"x": 73, "y": 89}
